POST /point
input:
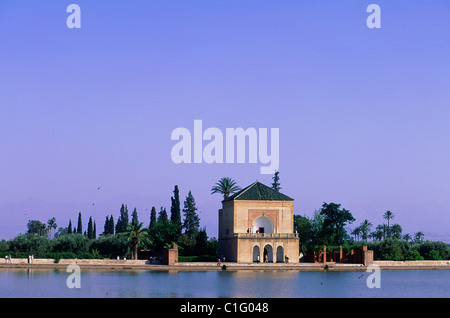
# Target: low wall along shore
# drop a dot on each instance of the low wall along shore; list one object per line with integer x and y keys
{"x": 104, "y": 264}
{"x": 78, "y": 261}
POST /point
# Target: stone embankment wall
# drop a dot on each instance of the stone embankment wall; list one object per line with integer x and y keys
{"x": 412, "y": 263}
{"x": 144, "y": 264}
{"x": 80, "y": 261}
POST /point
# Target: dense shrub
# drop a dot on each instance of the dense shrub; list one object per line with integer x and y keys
{"x": 389, "y": 249}
{"x": 433, "y": 255}
{"x": 61, "y": 255}
{"x": 413, "y": 255}
{"x": 425, "y": 249}
{"x": 74, "y": 243}
{"x": 4, "y": 246}
{"x": 30, "y": 244}
{"x": 111, "y": 246}
{"x": 399, "y": 250}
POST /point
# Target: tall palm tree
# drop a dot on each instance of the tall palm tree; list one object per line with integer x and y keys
{"x": 225, "y": 186}
{"x": 135, "y": 233}
{"x": 388, "y": 215}
{"x": 365, "y": 229}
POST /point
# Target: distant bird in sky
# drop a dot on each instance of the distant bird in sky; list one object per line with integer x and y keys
{"x": 99, "y": 187}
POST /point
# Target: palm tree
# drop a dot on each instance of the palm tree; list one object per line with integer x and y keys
{"x": 407, "y": 237}
{"x": 388, "y": 215}
{"x": 51, "y": 224}
{"x": 418, "y": 237}
{"x": 382, "y": 228}
{"x": 225, "y": 186}
{"x": 378, "y": 234}
{"x": 365, "y": 229}
{"x": 356, "y": 232}
{"x": 396, "y": 231}
{"x": 135, "y": 233}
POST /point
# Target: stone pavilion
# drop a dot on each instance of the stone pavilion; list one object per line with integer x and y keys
{"x": 256, "y": 224}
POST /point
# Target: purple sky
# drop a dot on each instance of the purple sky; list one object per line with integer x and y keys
{"x": 363, "y": 113}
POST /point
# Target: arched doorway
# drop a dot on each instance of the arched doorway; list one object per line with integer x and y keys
{"x": 263, "y": 224}
{"x": 268, "y": 253}
{"x": 280, "y": 254}
{"x": 256, "y": 254}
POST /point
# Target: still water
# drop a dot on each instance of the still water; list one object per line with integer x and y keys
{"x": 223, "y": 284}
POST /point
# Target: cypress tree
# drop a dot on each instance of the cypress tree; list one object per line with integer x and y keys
{"x": 191, "y": 219}
{"x": 175, "y": 209}
{"x": 122, "y": 222}
{"x": 111, "y": 225}
{"x": 134, "y": 217}
{"x": 69, "y": 227}
{"x": 90, "y": 230}
{"x": 119, "y": 222}
{"x": 152, "y": 218}
{"x": 80, "y": 224}
{"x": 106, "y": 226}
{"x": 95, "y": 231}
{"x": 162, "y": 216}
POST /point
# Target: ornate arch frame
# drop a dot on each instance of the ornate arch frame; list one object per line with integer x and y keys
{"x": 253, "y": 214}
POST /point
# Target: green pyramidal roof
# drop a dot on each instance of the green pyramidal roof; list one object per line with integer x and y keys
{"x": 258, "y": 191}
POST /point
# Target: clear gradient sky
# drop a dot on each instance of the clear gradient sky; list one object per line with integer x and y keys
{"x": 363, "y": 114}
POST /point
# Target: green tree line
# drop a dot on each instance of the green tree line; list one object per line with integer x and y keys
{"x": 329, "y": 226}
{"x": 122, "y": 238}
